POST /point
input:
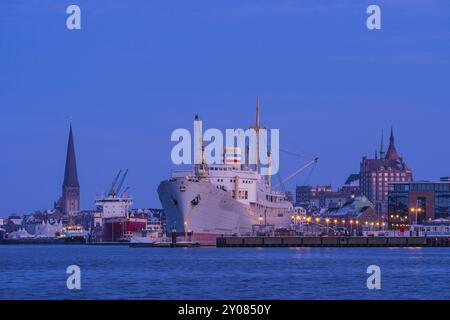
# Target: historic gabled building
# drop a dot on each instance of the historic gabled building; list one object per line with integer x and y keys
{"x": 376, "y": 174}
{"x": 69, "y": 202}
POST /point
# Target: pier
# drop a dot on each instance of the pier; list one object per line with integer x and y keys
{"x": 233, "y": 242}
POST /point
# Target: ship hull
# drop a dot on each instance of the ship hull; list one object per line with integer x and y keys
{"x": 207, "y": 211}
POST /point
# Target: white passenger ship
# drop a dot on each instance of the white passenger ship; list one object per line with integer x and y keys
{"x": 224, "y": 199}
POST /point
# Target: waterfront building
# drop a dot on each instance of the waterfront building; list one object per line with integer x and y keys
{"x": 13, "y": 223}
{"x": 356, "y": 215}
{"x": 69, "y": 203}
{"x": 418, "y": 202}
{"x": 376, "y": 175}
{"x": 306, "y": 195}
{"x": 351, "y": 186}
{"x": 318, "y": 198}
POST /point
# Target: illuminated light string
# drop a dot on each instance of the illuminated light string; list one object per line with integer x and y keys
{"x": 335, "y": 221}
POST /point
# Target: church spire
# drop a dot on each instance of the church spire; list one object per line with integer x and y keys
{"x": 391, "y": 138}
{"x": 382, "y": 153}
{"x": 70, "y": 173}
{"x": 392, "y": 151}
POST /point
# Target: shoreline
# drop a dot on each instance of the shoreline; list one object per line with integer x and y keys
{"x": 265, "y": 242}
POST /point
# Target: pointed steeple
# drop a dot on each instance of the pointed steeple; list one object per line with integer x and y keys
{"x": 376, "y": 154}
{"x": 70, "y": 173}
{"x": 392, "y": 151}
{"x": 391, "y": 138}
{"x": 382, "y": 153}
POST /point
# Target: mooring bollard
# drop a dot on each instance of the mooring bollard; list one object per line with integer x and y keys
{"x": 174, "y": 236}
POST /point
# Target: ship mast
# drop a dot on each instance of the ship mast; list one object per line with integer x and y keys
{"x": 199, "y": 145}
{"x": 257, "y": 128}
{"x": 269, "y": 174}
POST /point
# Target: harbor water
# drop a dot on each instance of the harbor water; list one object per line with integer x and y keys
{"x": 120, "y": 272}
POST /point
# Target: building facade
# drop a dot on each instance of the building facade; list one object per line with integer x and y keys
{"x": 356, "y": 215}
{"x": 316, "y": 198}
{"x": 351, "y": 187}
{"x": 304, "y": 194}
{"x": 418, "y": 202}
{"x": 376, "y": 175}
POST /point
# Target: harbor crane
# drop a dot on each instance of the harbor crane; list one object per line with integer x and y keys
{"x": 121, "y": 182}
{"x": 124, "y": 191}
{"x": 115, "y": 188}
{"x": 303, "y": 168}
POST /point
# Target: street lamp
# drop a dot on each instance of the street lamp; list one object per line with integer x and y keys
{"x": 416, "y": 210}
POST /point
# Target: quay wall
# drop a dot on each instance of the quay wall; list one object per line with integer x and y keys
{"x": 229, "y": 242}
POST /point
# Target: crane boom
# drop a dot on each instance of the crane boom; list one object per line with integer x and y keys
{"x": 125, "y": 191}
{"x": 113, "y": 187}
{"x": 121, "y": 182}
{"x": 306, "y": 166}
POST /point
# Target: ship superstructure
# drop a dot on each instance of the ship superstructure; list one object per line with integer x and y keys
{"x": 117, "y": 224}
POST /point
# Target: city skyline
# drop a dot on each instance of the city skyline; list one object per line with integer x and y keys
{"x": 128, "y": 85}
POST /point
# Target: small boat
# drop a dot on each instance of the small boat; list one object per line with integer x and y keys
{"x": 181, "y": 244}
{"x": 142, "y": 242}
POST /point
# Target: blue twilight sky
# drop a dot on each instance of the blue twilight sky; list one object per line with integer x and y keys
{"x": 138, "y": 69}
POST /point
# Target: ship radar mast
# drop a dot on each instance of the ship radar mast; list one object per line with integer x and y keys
{"x": 257, "y": 127}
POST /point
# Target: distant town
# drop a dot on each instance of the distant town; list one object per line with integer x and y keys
{"x": 381, "y": 199}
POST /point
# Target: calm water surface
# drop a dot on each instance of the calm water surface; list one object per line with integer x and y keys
{"x": 119, "y": 272}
